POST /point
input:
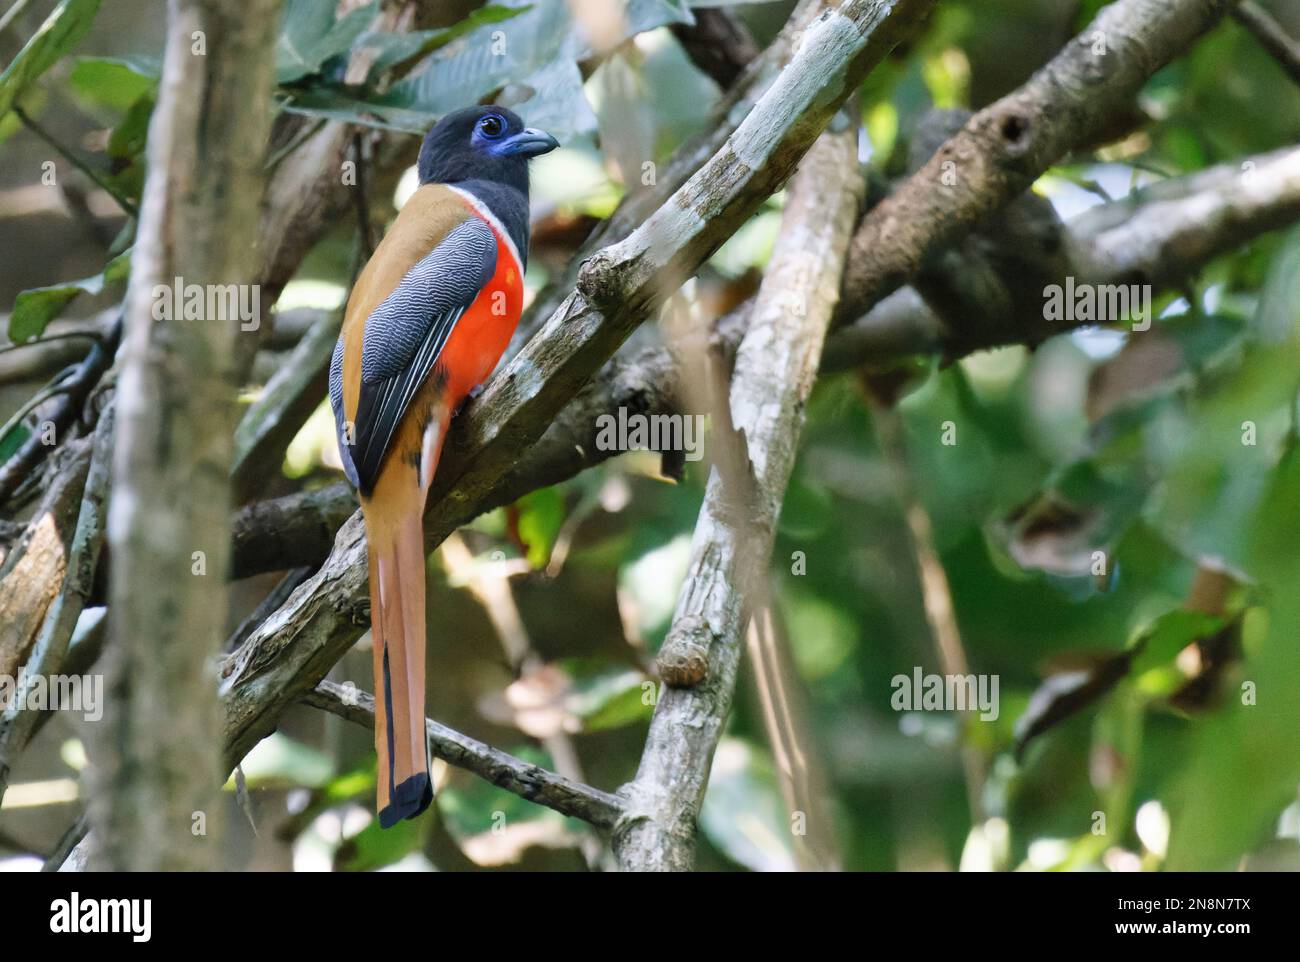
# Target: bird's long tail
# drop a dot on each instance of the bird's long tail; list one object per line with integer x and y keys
{"x": 395, "y": 539}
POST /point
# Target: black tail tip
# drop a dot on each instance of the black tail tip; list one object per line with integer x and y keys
{"x": 408, "y": 800}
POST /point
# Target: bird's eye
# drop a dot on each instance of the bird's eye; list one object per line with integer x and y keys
{"x": 491, "y": 125}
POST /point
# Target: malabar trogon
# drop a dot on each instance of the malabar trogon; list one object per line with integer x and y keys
{"x": 425, "y": 325}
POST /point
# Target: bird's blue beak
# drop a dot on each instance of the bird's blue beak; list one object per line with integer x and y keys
{"x": 529, "y": 142}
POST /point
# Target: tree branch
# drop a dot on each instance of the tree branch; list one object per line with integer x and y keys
{"x": 77, "y": 384}
{"x": 775, "y": 367}
{"x": 1004, "y": 148}
{"x": 35, "y": 569}
{"x": 501, "y": 769}
{"x": 1161, "y": 235}
{"x": 158, "y": 752}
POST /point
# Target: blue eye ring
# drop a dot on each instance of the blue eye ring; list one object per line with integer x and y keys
{"x": 492, "y": 126}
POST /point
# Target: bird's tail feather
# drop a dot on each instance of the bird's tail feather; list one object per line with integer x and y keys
{"x": 396, "y": 552}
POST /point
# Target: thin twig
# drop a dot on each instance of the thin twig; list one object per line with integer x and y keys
{"x": 70, "y": 840}
{"x": 307, "y": 131}
{"x": 364, "y": 227}
{"x": 46, "y": 393}
{"x": 936, "y": 592}
{"x": 525, "y": 779}
{"x": 100, "y": 181}
{"x": 803, "y": 787}
{"x": 50, "y": 338}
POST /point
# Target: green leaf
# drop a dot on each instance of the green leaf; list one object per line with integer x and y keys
{"x": 280, "y": 760}
{"x": 533, "y": 44}
{"x": 35, "y": 308}
{"x": 1159, "y": 642}
{"x": 344, "y": 107}
{"x": 116, "y": 82}
{"x": 128, "y": 138}
{"x": 62, "y": 30}
{"x": 541, "y": 515}
{"x": 374, "y": 847}
{"x": 485, "y": 59}
{"x": 743, "y": 813}
{"x": 11, "y": 442}
{"x": 309, "y": 36}
{"x": 493, "y": 55}
{"x": 605, "y": 695}
{"x": 395, "y": 48}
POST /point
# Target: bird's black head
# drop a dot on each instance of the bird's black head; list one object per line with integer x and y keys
{"x": 481, "y": 143}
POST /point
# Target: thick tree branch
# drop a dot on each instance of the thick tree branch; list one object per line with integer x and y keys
{"x": 1004, "y": 148}
{"x": 1163, "y": 235}
{"x": 501, "y": 769}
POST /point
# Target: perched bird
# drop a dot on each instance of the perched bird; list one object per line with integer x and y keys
{"x": 425, "y": 325}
